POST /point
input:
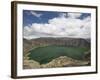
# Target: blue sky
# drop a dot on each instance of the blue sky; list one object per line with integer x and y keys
{"x": 29, "y": 18}
{"x": 56, "y": 24}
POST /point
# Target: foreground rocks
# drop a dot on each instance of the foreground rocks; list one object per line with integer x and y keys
{"x": 62, "y": 61}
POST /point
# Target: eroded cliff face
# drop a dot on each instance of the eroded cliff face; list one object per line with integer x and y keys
{"x": 45, "y": 41}
{"x": 62, "y": 61}
{"x": 72, "y": 42}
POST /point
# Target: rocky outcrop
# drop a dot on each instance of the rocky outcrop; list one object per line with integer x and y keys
{"x": 62, "y": 61}
{"x": 31, "y": 64}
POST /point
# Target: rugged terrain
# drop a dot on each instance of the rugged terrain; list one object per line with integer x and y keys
{"x": 45, "y": 41}
{"x": 60, "y": 61}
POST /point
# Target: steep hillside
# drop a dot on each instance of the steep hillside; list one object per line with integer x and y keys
{"x": 27, "y": 45}
{"x": 72, "y": 42}
{"x": 45, "y": 41}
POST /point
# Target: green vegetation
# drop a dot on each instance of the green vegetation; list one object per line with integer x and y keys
{"x": 46, "y": 54}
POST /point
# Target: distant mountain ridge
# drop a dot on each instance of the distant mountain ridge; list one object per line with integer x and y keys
{"x": 73, "y": 42}
{"x": 62, "y": 41}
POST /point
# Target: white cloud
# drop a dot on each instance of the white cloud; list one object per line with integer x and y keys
{"x": 35, "y": 14}
{"x": 61, "y": 26}
{"x": 74, "y": 15}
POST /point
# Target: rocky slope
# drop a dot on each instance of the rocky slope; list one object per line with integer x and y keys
{"x": 73, "y": 42}
{"x": 62, "y": 61}
{"x": 43, "y": 41}
{"x": 27, "y": 45}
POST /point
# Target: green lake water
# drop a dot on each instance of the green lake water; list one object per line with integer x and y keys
{"x": 46, "y": 54}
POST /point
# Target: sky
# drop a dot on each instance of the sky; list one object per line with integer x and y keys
{"x": 56, "y": 24}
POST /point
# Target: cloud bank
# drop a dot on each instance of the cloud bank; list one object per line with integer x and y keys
{"x": 65, "y": 25}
